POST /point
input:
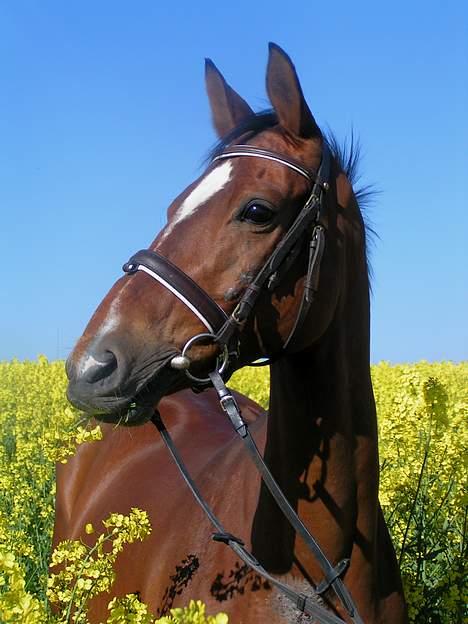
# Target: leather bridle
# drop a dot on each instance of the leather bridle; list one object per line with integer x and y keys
{"x": 225, "y": 330}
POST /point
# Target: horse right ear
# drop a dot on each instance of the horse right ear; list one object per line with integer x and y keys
{"x": 228, "y": 109}
{"x": 285, "y": 93}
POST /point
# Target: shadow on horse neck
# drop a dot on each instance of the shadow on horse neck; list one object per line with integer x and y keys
{"x": 322, "y": 434}
{"x": 321, "y": 441}
{"x": 316, "y": 395}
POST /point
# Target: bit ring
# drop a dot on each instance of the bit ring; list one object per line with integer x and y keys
{"x": 221, "y": 361}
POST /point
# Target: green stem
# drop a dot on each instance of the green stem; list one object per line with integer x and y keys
{"x": 85, "y": 561}
{"x": 413, "y": 507}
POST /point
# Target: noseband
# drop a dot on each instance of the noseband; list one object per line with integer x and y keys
{"x": 225, "y": 330}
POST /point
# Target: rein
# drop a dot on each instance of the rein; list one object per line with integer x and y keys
{"x": 301, "y": 601}
{"x": 224, "y": 330}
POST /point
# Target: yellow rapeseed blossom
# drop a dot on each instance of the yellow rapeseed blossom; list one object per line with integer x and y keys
{"x": 37, "y": 427}
{"x": 193, "y": 614}
{"x": 422, "y": 411}
{"x": 130, "y": 610}
{"x": 16, "y": 604}
{"x": 85, "y": 571}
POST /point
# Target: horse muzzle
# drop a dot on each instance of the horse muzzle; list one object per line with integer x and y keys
{"x": 113, "y": 387}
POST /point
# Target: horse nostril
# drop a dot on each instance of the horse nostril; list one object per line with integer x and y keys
{"x": 94, "y": 370}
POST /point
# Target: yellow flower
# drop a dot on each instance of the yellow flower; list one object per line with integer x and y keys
{"x": 422, "y": 416}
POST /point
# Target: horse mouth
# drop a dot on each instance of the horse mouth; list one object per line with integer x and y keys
{"x": 131, "y": 397}
{"x": 134, "y": 404}
{"x": 137, "y": 413}
{"x": 140, "y": 408}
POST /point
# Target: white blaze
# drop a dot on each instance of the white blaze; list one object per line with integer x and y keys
{"x": 109, "y": 323}
{"x": 214, "y": 182}
{"x": 112, "y": 318}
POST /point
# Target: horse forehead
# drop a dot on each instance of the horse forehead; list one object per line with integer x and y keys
{"x": 207, "y": 187}
{"x": 305, "y": 151}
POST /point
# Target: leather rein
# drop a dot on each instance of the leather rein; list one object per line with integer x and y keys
{"x": 224, "y": 330}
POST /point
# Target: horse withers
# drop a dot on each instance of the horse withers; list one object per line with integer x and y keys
{"x": 265, "y": 254}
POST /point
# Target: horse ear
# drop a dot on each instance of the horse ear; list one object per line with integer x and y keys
{"x": 285, "y": 93}
{"x": 228, "y": 109}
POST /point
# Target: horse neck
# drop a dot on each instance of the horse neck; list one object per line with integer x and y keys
{"x": 322, "y": 438}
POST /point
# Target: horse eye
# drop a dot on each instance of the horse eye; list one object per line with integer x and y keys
{"x": 258, "y": 213}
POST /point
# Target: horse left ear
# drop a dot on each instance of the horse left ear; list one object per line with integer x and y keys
{"x": 285, "y": 93}
{"x": 228, "y": 109}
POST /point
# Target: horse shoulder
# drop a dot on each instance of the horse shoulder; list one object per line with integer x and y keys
{"x": 130, "y": 467}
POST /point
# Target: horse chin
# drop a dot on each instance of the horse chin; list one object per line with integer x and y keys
{"x": 141, "y": 407}
{"x": 135, "y": 414}
{"x": 136, "y": 408}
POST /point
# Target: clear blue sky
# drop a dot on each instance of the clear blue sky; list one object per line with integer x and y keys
{"x": 104, "y": 119}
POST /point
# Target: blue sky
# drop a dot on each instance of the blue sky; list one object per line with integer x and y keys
{"x": 104, "y": 119}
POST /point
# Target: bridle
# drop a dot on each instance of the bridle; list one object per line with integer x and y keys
{"x": 225, "y": 330}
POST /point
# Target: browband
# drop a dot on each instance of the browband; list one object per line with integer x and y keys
{"x": 250, "y": 150}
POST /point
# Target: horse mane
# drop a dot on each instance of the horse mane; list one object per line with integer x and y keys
{"x": 346, "y": 153}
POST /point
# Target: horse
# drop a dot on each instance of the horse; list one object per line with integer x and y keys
{"x": 147, "y": 346}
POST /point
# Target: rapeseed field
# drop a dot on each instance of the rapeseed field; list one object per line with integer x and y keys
{"x": 422, "y": 410}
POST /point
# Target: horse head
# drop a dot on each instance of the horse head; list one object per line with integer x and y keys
{"x": 220, "y": 231}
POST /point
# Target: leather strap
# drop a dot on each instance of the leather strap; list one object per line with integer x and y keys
{"x": 301, "y": 601}
{"x": 271, "y": 272}
{"x": 332, "y": 574}
{"x": 251, "y": 150}
{"x": 181, "y": 285}
{"x": 316, "y": 249}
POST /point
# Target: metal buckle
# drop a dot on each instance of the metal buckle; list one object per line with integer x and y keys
{"x": 221, "y": 361}
{"x": 235, "y": 314}
{"x": 225, "y": 400}
{"x": 231, "y": 408}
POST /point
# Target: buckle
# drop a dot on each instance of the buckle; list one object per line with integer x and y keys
{"x": 337, "y": 571}
{"x": 225, "y": 538}
{"x": 301, "y": 602}
{"x": 229, "y": 401}
{"x": 221, "y": 362}
{"x": 230, "y": 407}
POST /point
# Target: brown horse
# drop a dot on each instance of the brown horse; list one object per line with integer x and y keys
{"x": 320, "y": 437}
